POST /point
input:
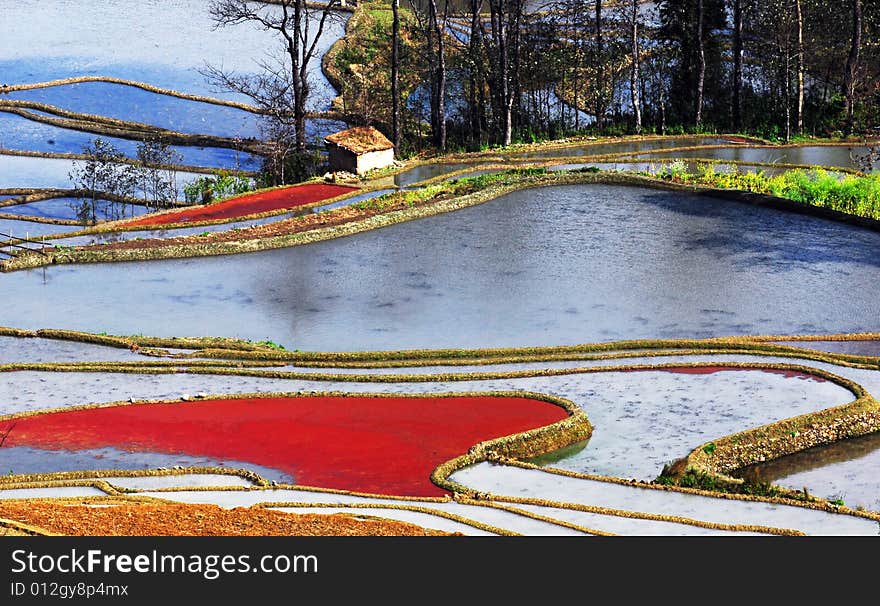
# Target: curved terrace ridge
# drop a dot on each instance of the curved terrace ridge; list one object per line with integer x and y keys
{"x": 394, "y": 208}
{"x": 10, "y": 88}
{"x": 373, "y": 443}
{"x": 125, "y": 129}
{"x": 718, "y": 458}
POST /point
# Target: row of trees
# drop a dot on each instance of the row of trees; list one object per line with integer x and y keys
{"x": 474, "y": 73}
{"x": 775, "y": 68}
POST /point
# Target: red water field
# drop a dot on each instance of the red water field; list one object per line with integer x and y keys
{"x": 249, "y": 204}
{"x": 708, "y": 370}
{"x": 359, "y": 443}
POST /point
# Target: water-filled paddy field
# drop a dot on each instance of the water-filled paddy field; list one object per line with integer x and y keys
{"x": 656, "y": 409}
{"x": 21, "y": 134}
{"x": 642, "y": 420}
{"x": 163, "y": 44}
{"x": 559, "y": 265}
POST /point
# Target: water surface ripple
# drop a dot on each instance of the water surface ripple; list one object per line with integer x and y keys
{"x": 556, "y": 265}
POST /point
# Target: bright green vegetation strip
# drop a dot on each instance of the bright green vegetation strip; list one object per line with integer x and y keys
{"x": 857, "y": 195}
{"x": 451, "y": 188}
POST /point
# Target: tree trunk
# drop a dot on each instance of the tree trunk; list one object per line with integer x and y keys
{"x": 634, "y": 74}
{"x": 574, "y": 19}
{"x": 574, "y": 87}
{"x": 514, "y": 30}
{"x": 852, "y": 64}
{"x": 598, "y": 71}
{"x": 737, "y": 65}
{"x": 800, "y": 66}
{"x": 503, "y": 92}
{"x": 439, "y": 78}
{"x": 507, "y": 118}
{"x": 297, "y": 69}
{"x": 701, "y": 68}
{"x": 787, "y": 80}
{"x": 395, "y": 75}
{"x": 440, "y": 25}
{"x": 474, "y": 71}
{"x": 662, "y": 113}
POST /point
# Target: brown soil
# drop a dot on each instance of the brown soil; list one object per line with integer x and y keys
{"x": 197, "y": 520}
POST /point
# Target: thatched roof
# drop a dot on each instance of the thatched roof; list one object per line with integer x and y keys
{"x": 360, "y": 140}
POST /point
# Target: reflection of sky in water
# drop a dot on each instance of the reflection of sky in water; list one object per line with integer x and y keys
{"x": 28, "y": 135}
{"x": 24, "y": 171}
{"x": 501, "y": 479}
{"x": 846, "y": 470}
{"x": 220, "y": 227}
{"x": 859, "y": 348}
{"x": 166, "y": 48}
{"x": 52, "y": 350}
{"x": 68, "y": 208}
{"x": 164, "y": 45}
{"x": 333, "y": 292}
{"x": 825, "y": 155}
{"x": 642, "y": 420}
{"x": 427, "y": 171}
{"x": 137, "y": 105}
{"x": 654, "y": 166}
{"x": 29, "y": 229}
{"x": 24, "y": 460}
{"x": 594, "y": 149}
{"x": 555, "y": 265}
{"x": 661, "y": 405}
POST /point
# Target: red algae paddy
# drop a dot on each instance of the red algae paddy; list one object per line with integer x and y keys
{"x": 384, "y": 445}
{"x": 709, "y": 370}
{"x": 250, "y": 204}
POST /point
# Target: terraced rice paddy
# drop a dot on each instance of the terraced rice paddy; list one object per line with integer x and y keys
{"x": 643, "y": 329}
{"x": 252, "y": 204}
{"x": 620, "y": 405}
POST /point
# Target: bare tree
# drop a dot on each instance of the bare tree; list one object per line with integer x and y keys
{"x": 737, "y": 64}
{"x": 852, "y": 63}
{"x": 701, "y": 63}
{"x": 800, "y": 65}
{"x": 634, "y": 84}
{"x": 476, "y": 69}
{"x": 282, "y": 89}
{"x": 439, "y": 21}
{"x": 503, "y": 53}
{"x": 598, "y": 71}
{"x": 432, "y": 22}
{"x": 395, "y": 75}
{"x": 104, "y": 174}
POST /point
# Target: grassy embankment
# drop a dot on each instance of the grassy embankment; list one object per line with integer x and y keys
{"x": 857, "y": 195}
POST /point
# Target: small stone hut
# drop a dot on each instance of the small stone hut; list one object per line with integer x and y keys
{"x": 359, "y": 149}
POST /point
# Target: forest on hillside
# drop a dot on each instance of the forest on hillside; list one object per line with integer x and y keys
{"x": 476, "y": 73}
